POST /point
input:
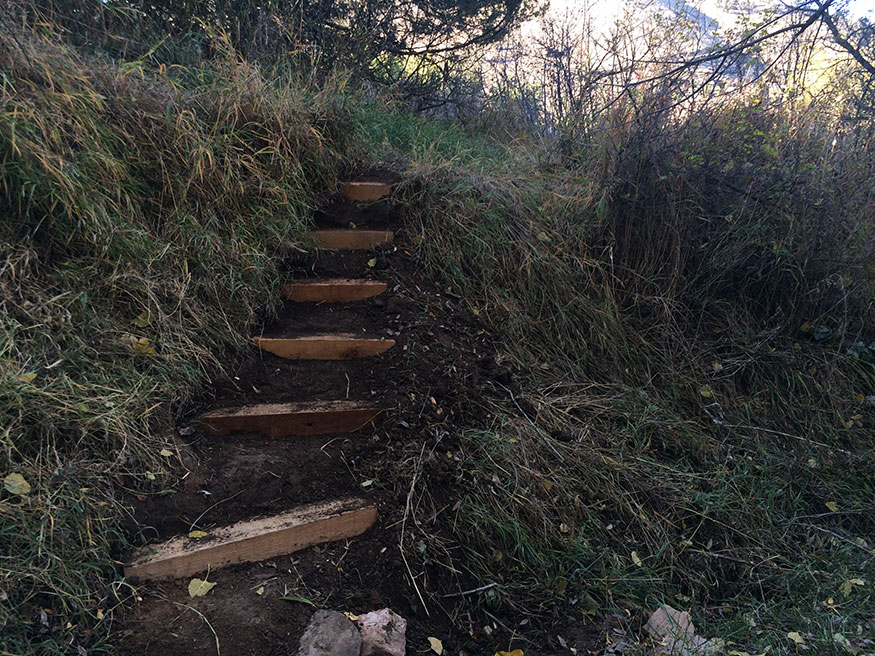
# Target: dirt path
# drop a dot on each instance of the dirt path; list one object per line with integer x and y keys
{"x": 425, "y": 385}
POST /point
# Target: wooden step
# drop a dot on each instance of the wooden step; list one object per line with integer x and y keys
{"x": 254, "y": 540}
{"x": 352, "y": 240}
{"x": 284, "y": 419}
{"x": 324, "y": 347}
{"x": 364, "y": 191}
{"x": 333, "y": 290}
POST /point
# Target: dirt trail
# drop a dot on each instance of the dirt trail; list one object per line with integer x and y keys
{"x": 431, "y": 378}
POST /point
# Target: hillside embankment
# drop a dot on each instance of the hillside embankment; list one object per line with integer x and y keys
{"x": 678, "y": 313}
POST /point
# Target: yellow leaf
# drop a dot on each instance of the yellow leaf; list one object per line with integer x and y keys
{"x": 16, "y": 484}
{"x": 636, "y": 559}
{"x": 165, "y": 452}
{"x": 561, "y": 586}
{"x": 795, "y": 637}
{"x": 352, "y": 225}
{"x": 196, "y": 535}
{"x": 832, "y": 505}
{"x": 143, "y": 319}
{"x": 706, "y": 391}
{"x": 436, "y": 646}
{"x": 515, "y": 652}
{"x": 859, "y": 582}
{"x": 150, "y": 476}
{"x": 199, "y": 587}
{"x": 547, "y": 485}
{"x": 372, "y": 262}
{"x": 352, "y": 617}
{"x": 99, "y": 613}
{"x": 716, "y": 366}
{"x": 26, "y": 378}
{"x": 260, "y": 591}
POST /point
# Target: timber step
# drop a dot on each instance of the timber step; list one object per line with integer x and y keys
{"x": 352, "y": 240}
{"x": 332, "y": 290}
{"x": 254, "y": 540}
{"x": 364, "y": 191}
{"x": 285, "y": 419}
{"x": 324, "y": 347}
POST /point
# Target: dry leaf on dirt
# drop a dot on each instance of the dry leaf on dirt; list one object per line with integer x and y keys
{"x": 199, "y": 587}
{"x": 165, "y": 452}
{"x": 197, "y": 534}
{"x": 16, "y": 484}
{"x": 515, "y": 652}
{"x": 26, "y": 378}
{"x": 436, "y": 646}
{"x": 796, "y": 637}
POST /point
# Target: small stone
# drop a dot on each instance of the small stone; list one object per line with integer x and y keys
{"x": 384, "y": 633}
{"x": 330, "y": 633}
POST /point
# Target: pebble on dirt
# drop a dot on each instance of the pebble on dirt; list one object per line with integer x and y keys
{"x": 330, "y": 633}
{"x": 384, "y": 633}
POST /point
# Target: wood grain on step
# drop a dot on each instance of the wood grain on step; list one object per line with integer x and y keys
{"x": 324, "y": 347}
{"x": 286, "y": 419}
{"x": 254, "y": 540}
{"x": 351, "y": 240}
{"x": 333, "y": 290}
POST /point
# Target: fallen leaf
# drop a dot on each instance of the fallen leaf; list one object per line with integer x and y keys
{"x": 150, "y": 476}
{"x": 436, "y": 646}
{"x": 515, "y": 652}
{"x": 832, "y": 505}
{"x": 743, "y": 653}
{"x": 165, "y": 452}
{"x": 636, "y": 559}
{"x": 839, "y": 639}
{"x": 99, "y": 613}
{"x": 260, "y": 591}
{"x": 372, "y": 262}
{"x": 298, "y": 599}
{"x": 199, "y": 587}
{"x": 16, "y": 484}
{"x": 716, "y": 366}
{"x": 368, "y": 482}
{"x": 196, "y": 535}
{"x": 352, "y": 617}
{"x": 795, "y": 637}
{"x": 706, "y": 391}
{"x": 26, "y": 378}
{"x": 143, "y": 319}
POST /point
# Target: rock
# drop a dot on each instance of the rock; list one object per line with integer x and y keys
{"x": 330, "y": 633}
{"x": 675, "y": 635}
{"x": 384, "y": 633}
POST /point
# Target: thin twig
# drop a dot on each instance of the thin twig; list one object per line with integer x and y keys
{"x": 537, "y": 430}
{"x": 469, "y": 592}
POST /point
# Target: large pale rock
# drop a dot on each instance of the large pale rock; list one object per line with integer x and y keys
{"x": 384, "y": 633}
{"x": 675, "y": 635}
{"x": 330, "y": 633}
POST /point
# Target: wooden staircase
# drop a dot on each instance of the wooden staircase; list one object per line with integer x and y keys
{"x": 303, "y": 526}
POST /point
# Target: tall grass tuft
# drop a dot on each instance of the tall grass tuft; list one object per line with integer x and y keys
{"x": 143, "y": 215}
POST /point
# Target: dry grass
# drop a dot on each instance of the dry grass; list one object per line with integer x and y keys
{"x": 139, "y": 205}
{"x": 683, "y": 298}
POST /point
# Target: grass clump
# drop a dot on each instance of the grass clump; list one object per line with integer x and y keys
{"x": 143, "y": 213}
{"x": 690, "y": 302}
